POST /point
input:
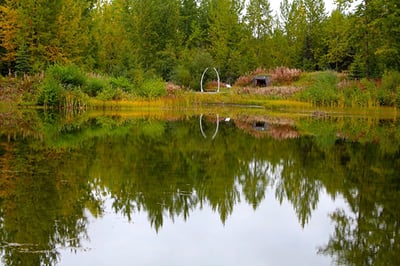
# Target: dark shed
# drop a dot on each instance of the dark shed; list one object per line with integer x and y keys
{"x": 260, "y": 125}
{"x": 261, "y": 81}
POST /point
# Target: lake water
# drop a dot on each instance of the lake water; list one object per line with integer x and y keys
{"x": 218, "y": 188}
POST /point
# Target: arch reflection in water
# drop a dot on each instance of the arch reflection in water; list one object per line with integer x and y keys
{"x": 216, "y": 128}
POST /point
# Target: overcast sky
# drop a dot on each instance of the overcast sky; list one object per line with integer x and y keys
{"x": 329, "y": 5}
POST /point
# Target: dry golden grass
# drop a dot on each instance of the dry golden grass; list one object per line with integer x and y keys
{"x": 198, "y": 101}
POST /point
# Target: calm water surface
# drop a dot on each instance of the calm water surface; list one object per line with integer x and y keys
{"x": 211, "y": 189}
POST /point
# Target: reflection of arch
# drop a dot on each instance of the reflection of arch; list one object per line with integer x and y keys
{"x": 201, "y": 127}
{"x": 202, "y": 77}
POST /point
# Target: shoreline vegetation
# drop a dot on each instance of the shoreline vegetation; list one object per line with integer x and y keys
{"x": 67, "y": 87}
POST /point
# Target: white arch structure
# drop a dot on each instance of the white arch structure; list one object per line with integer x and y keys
{"x": 202, "y": 77}
{"x": 202, "y": 131}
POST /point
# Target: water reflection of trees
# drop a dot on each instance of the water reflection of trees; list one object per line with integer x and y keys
{"x": 255, "y": 178}
{"x": 370, "y": 234}
{"x": 41, "y": 205}
{"x": 167, "y": 169}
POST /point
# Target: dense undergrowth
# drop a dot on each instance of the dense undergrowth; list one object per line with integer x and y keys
{"x": 334, "y": 90}
{"x": 68, "y": 87}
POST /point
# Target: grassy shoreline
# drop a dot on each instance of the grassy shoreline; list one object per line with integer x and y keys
{"x": 68, "y": 88}
{"x": 200, "y": 105}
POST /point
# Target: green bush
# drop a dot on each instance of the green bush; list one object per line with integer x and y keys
{"x": 121, "y": 83}
{"x": 391, "y": 81}
{"x": 109, "y": 93}
{"x": 322, "y": 90}
{"x": 137, "y": 77}
{"x": 51, "y": 93}
{"x": 388, "y": 91}
{"x": 182, "y": 76}
{"x": 58, "y": 82}
{"x": 153, "y": 88}
{"x": 94, "y": 86}
{"x": 68, "y": 75}
{"x": 398, "y": 97}
{"x": 191, "y": 66}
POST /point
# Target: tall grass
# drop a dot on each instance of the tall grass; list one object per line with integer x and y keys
{"x": 389, "y": 91}
{"x": 322, "y": 90}
{"x": 284, "y": 75}
{"x": 357, "y": 93}
{"x": 325, "y": 89}
{"x": 371, "y": 93}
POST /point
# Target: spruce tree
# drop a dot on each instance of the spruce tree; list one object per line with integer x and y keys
{"x": 22, "y": 61}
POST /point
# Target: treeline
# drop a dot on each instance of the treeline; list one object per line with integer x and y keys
{"x": 177, "y": 39}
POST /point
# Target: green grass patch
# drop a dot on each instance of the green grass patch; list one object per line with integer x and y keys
{"x": 322, "y": 90}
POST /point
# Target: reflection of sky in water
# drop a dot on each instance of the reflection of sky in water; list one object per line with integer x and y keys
{"x": 271, "y": 235}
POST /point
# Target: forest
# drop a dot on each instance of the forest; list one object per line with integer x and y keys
{"x": 173, "y": 39}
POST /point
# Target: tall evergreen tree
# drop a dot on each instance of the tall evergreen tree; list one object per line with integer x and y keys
{"x": 47, "y": 32}
{"x": 374, "y": 35}
{"x": 115, "y": 51}
{"x": 22, "y": 61}
{"x": 258, "y": 19}
{"x": 157, "y": 33}
{"x": 224, "y": 34}
{"x": 9, "y": 25}
{"x": 72, "y": 36}
{"x": 388, "y": 23}
{"x": 294, "y": 23}
{"x": 376, "y": 30}
{"x": 302, "y": 21}
{"x": 316, "y": 17}
{"x": 338, "y": 54}
{"x": 39, "y": 29}
{"x": 189, "y": 16}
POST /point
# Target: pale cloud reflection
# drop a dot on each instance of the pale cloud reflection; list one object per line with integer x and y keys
{"x": 270, "y": 235}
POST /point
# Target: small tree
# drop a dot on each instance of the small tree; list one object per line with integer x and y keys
{"x": 22, "y": 61}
